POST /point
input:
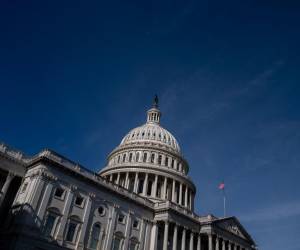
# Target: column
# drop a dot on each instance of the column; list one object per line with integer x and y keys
{"x": 170, "y": 162}
{"x": 191, "y": 195}
{"x": 192, "y": 241}
{"x": 64, "y": 218}
{"x": 192, "y": 202}
{"x": 111, "y": 177}
{"x": 186, "y": 196}
{"x": 210, "y": 242}
{"x": 135, "y": 183}
{"x": 223, "y": 244}
{"x": 45, "y": 200}
{"x": 110, "y": 226}
{"x": 229, "y": 245}
{"x": 217, "y": 243}
{"x": 166, "y": 234}
{"x": 234, "y": 246}
{"x": 153, "y": 242}
{"x": 144, "y": 236}
{"x": 175, "y": 164}
{"x": 173, "y": 191}
{"x": 5, "y": 187}
{"x": 127, "y": 230}
{"x": 145, "y": 184}
{"x": 199, "y": 242}
{"x": 183, "y": 239}
{"x": 127, "y": 180}
{"x": 165, "y": 188}
{"x": 180, "y": 194}
{"x": 118, "y": 179}
{"x": 163, "y": 160}
{"x": 101, "y": 240}
{"x": 85, "y": 220}
{"x": 154, "y": 187}
{"x": 175, "y": 235}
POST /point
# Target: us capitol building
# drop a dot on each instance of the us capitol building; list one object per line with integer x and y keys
{"x": 143, "y": 199}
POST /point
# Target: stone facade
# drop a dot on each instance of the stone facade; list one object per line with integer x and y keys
{"x": 143, "y": 199}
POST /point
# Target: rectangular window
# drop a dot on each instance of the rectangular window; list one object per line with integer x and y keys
{"x": 117, "y": 244}
{"x": 121, "y": 218}
{"x": 49, "y": 225}
{"x": 71, "y": 231}
{"x": 59, "y": 192}
{"x": 79, "y": 201}
{"x": 132, "y": 246}
{"x": 135, "y": 224}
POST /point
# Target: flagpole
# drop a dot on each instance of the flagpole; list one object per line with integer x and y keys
{"x": 224, "y": 200}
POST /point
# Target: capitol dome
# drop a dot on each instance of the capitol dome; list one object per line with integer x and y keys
{"x": 148, "y": 162}
{"x": 151, "y": 132}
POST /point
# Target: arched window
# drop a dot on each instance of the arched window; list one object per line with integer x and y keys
{"x": 124, "y": 157}
{"x": 172, "y": 163}
{"x": 72, "y": 229}
{"x": 118, "y": 241}
{"x": 94, "y": 236}
{"x": 133, "y": 244}
{"x": 152, "y": 157}
{"x": 130, "y": 157}
{"x": 159, "y": 160}
{"x": 137, "y": 156}
{"x": 167, "y": 161}
{"x": 145, "y": 157}
{"x": 51, "y": 222}
{"x": 119, "y": 158}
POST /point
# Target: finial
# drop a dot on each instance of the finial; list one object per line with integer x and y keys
{"x": 155, "y": 102}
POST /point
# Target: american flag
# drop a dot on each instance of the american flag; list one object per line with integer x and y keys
{"x": 222, "y": 185}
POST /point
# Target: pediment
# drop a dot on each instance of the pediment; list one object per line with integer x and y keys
{"x": 233, "y": 226}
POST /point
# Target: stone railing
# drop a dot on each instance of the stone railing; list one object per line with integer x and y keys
{"x": 14, "y": 153}
{"x": 176, "y": 207}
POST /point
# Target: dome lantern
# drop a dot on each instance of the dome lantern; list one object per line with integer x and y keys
{"x": 153, "y": 114}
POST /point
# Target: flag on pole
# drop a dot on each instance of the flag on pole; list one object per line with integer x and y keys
{"x": 222, "y": 186}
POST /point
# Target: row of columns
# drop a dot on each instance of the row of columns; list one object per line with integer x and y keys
{"x": 184, "y": 238}
{"x": 169, "y": 189}
{"x": 214, "y": 244}
{"x": 196, "y": 240}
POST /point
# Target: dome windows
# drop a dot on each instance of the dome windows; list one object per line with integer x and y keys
{"x": 145, "y": 157}
{"x": 167, "y": 161}
{"x": 152, "y": 157}
{"x": 159, "y": 160}
{"x": 137, "y": 157}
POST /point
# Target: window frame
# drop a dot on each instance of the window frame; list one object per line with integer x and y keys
{"x": 63, "y": 195}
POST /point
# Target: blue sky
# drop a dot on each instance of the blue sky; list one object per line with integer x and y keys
{"x": 76, "y": 76}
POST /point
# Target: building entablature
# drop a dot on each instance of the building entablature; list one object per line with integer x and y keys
{"x": 50, "y": 158}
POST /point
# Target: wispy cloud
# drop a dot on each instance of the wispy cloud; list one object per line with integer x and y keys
{"x": 274, "y": 212}
{"x": 259, "y": 80}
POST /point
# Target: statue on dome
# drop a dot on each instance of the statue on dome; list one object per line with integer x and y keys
{"x": 155, "y": 102}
